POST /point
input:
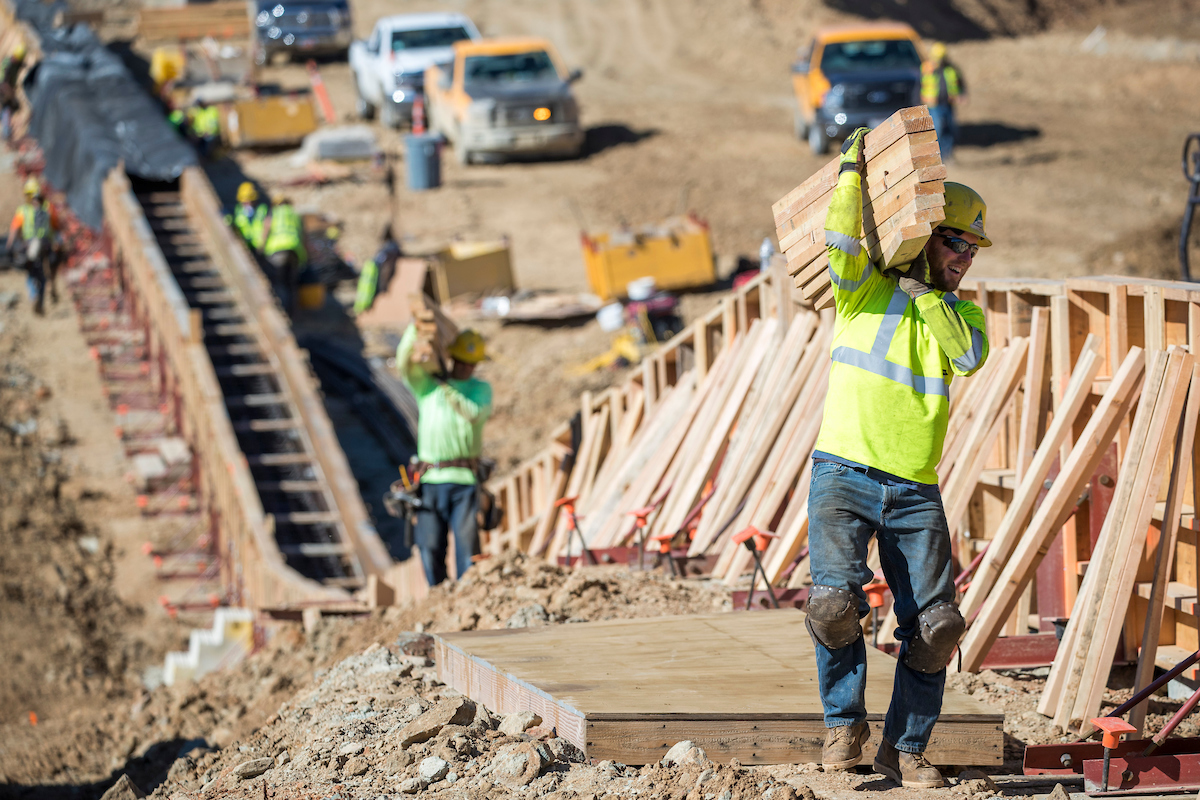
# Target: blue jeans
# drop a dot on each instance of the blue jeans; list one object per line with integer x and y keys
{"x": 946, "y": 128}
{"x": 448, "y": 507}
{"x": 845, "y": 508}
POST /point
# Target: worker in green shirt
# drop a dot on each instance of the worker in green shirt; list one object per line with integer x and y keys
{"x": 453, "y": 406}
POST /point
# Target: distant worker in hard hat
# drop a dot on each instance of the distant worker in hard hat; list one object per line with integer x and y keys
{"x": 36, "y": 224}
{"x": 899, "y": 339}
{"x": 377, "y": 272}
{"x": 249, "y": 217}
{"x": 453, "y": 406}
{"x": 10, "y": 71}
{"x": 204, "y": 121}
{"x": 283, "y": 245}
{"x": 942, "y": 89}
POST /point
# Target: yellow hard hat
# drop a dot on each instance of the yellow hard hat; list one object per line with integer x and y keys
{"x": 468, "y": 348}
{"x": 247, "y": 193}
{"x": 966, "y": 211}
{"x": 32, "y": 186}
{"x": 19, "y": 50}
{"x": 278, "y": 198}
{"x": 937, "y": 51}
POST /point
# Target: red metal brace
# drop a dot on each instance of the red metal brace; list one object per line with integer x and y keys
{"x": 756, "y": 541}
{"x": 640, "y": 515}
{"x": 664, "y": 551}
{"x": 1114, "y": 728}
{"x": 567, "y": 504}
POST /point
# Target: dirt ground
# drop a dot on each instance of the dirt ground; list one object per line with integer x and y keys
{"x": 688, "y": 106}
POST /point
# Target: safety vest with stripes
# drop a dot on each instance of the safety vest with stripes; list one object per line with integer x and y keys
{"x": 287, "y": 232}
{"x": 368, "y": 283}
{"x": 35, "y": 221}
{"x": 249, "y": 222}
{"x": 893, "y": 357}
{"x": 932, "y": 93}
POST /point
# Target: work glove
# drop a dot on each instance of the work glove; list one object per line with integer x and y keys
{"x": 916, "y": 281}
{"x": 853, "y": 152}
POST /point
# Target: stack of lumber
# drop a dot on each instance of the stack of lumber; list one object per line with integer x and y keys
{"x": 226, "y": 19}
{"x": 902, "y": 200}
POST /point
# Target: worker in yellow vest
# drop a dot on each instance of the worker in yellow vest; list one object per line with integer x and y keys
{"x": 283, "y": 245}
{"x": 10, "y": 71}
{"x": 36, "y": 224}
{"x": 899, "y": 339}
{"x": 377, "y": 272}
{"x": 942, "y": 89}
{"x": 249, "y": 218}
{"x": 204, "y": 120}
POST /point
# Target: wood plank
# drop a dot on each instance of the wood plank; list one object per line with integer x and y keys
{"x": 1035, "y": 379}
{"x": 621, "y": 689}
{"x": 1127, "y": 554}
{"x": 1180, "y": 467}
{"x": 1058, "y": 504}
{"x": 1008, "y": 534}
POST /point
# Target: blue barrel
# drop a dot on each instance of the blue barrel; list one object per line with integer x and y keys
{"x": 423, "y": 157}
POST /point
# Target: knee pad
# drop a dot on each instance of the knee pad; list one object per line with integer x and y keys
{"x": 939, "y": 627}
{"x": 832, "y": 616}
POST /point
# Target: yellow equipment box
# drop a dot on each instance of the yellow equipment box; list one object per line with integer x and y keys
{"x": 676, "y": 253}
{"x": 269, "y": 121}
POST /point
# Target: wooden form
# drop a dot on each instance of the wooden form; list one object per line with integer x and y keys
{"x": 225, "y": 19}
{"x": 902, "y": 199}
{"x": 252, "y": 560}
{"x": 740, "y": 686}
{"x": 1053, "y": 405}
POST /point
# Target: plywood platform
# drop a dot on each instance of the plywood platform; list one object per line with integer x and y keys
{"x": 740, "y": 685}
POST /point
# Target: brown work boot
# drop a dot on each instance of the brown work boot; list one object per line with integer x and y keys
{"x": 907, "y": 769}
{"x": 843, "y": 746}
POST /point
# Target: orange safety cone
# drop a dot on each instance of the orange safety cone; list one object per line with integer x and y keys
{"x": 418, "y": 113}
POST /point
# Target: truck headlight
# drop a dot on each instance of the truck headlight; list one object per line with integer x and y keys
{"x": 481, "y": 110}
{"x": 398, "y": 96}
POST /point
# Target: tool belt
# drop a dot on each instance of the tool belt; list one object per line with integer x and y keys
{"x": 467, "y": 463}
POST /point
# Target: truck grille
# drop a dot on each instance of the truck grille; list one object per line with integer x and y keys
{"x": 522, "y": 114}
{"x": 306, "y": 19}
{"x": 890, "y": 95}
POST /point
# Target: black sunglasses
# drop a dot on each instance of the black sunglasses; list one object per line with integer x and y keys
{"x": 959, "y": 246}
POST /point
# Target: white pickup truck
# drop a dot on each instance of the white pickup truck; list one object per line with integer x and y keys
{"x": 389, "y": 68}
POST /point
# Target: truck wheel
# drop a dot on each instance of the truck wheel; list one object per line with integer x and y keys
{"x": 362, "y": 108}
{"x": 389, "y": 115}
{"x": 799, "y": 126}
{"x": 818, "y": 142}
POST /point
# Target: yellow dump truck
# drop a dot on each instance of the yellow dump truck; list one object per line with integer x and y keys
{"x": 676, "y": 253}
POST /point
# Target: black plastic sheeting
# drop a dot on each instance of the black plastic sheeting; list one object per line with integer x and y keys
{"x": 88, "y": 114}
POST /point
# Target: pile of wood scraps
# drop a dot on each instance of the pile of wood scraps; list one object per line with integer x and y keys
{"x": 902, "y": 198}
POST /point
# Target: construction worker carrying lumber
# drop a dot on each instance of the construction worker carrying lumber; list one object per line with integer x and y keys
{"x": 10, "y": 70}
{"x": 283, "y": 245}
{"x": 204, "y": 122}
{"x": 36, "y": 223}
{"x": 377, "y": 272}
{"x": 248, "y": 218}
{"x": 898, "y": 341}
{"x": 453, "y": 406}
{"x": 942, "y": 89}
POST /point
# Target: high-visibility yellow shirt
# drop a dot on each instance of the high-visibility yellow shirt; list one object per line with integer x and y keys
{"x": 205, "y": 121}
{"x": 450, "y": 415}
{"x": 939, "y": 84}
{"x": 34, "y": 225}
{"x": 893, "y": 357}
{"x": 286, "y": 233}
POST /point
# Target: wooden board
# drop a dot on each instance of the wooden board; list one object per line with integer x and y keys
{"x": 739, "y": 685}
